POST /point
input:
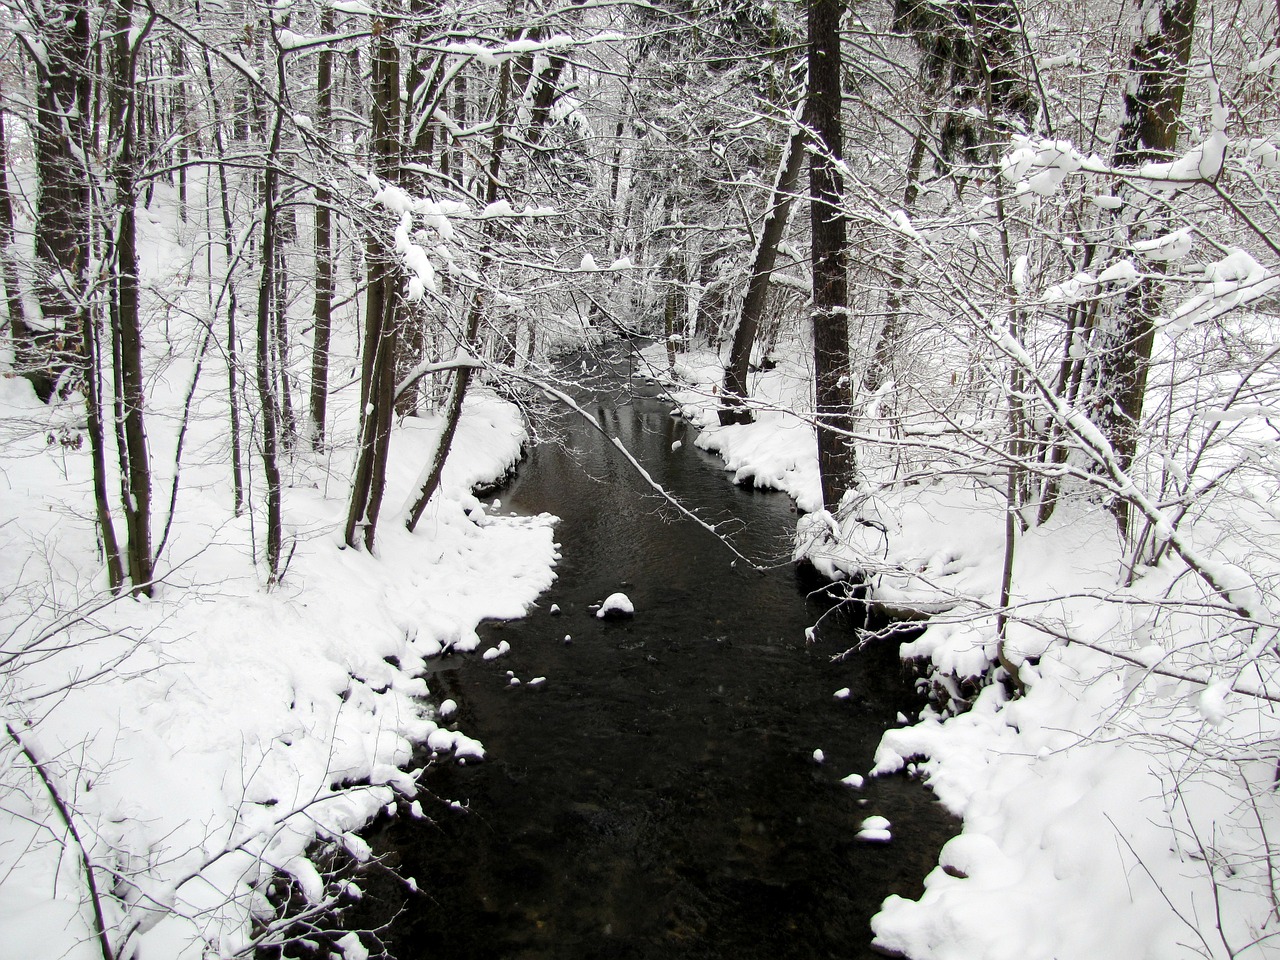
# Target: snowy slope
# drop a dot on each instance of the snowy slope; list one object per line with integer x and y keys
{"x": 203, "y": 740}
{"x": 1122, "y": 805}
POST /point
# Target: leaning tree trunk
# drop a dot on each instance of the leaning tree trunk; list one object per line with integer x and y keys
{"x": 837, "y": 463}
{"x": 430, "y": 481}
{"x": 1152, "y": 104}
{"x": 734, "y": 392}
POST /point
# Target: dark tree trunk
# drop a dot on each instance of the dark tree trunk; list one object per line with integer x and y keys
{"x": 267, "y": 291}
{"x": 837, "y": 463}
{"x": 8, "y": 255}
{"x": 378, "y": 372}
{"x": 232, "y": 345}
{"x": 1152, "y": 105}
{"x": 734, "y": 393}
{"x": 544, "y": 97}
{"x": 135, "y": 463}
{"x": 323, "y": 310}
{"x": 42, "y": 352}
{"x": 91, "y": 360}
{"x": 462, "y": 376}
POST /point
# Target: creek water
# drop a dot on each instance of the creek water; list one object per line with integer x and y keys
{"x": 657, "y": 796}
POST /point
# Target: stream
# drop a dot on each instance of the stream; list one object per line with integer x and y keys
{"x": 657, "y": 795}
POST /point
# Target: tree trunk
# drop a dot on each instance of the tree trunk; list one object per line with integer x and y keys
{"x": 232, "y": 344}
{"x": 430, "y": 481}
{"x": 837, "y": 463}
{"x": 323, "y": 310}
{"x": 1152, "y": 104}
{"x": 135, "y": 466}
{"x": 891, "y": 332}
{"x": 734, "y": 392}
{"x": 267, "y": 290}
{"x": 91, "y": 359}
{"x": 8, "y": 254}
{"x": 544, "y": 97}
{"x": 378, "y": 372}
{"x": 42, "y": 351}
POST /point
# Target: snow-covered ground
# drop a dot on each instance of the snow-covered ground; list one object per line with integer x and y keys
{"x": 233, "y": 725}
{"x": 1109, "y": 811}
{"x": 201, "y": 741}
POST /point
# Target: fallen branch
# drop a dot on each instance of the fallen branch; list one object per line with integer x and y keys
{"x": 95, "y": 898}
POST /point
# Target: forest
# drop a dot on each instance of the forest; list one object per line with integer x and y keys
{"x": 987, "y": 286}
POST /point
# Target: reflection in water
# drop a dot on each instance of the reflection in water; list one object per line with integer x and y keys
{"x": 657, "y": 796}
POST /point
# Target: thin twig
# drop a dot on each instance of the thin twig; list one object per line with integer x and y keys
{"x": 103, "y": 941}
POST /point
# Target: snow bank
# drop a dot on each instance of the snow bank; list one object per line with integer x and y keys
{"x": 204, "y": 739}
{"x": 1119, "y": 806}
{"x": 776, "y": 452}
{"x": 235, "y": 726}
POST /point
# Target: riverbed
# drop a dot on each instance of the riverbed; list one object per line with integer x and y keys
{"x": 651, "y": 787}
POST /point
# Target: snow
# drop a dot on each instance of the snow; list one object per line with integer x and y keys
{"x": 352, "y": 948}
{"x": 209, "y": 737}
{"x": 616, "y": 605}
{"x": 1171, "y": 246}
{"x": 1233, "y": 281}
{"x": 1086, "y": 822}
{"x": 875, "y": 830}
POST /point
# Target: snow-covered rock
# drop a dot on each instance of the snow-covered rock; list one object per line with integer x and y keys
{"x": 875, "y": 830}
{"x": 616, "y": 605}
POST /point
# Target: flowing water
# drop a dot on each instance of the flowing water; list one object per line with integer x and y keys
{"x": 657, "y": 796}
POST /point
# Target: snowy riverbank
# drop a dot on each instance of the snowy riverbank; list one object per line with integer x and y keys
{"x": 204, "y": 739}
{"x": 1115, "y": 808}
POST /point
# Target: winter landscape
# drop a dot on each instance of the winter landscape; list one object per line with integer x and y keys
{"x": 987, "y": 289}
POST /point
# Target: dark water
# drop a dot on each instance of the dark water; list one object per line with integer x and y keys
{"x": 657, "y": 795}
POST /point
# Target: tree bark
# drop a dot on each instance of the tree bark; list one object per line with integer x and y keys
{"x": 837, "y": 463}
{"x": 42, "y": 351}
{"x": 1152, "y": 105}
{"x": 734, "y": 391}
{"x": 135, "y": 466}
{"x": 378, "y": 372}
{"x": 323, "y": 309}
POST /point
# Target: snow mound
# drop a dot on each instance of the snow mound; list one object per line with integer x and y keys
{"x": 875, "y": 830}
{"x": 616, "y": 605}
